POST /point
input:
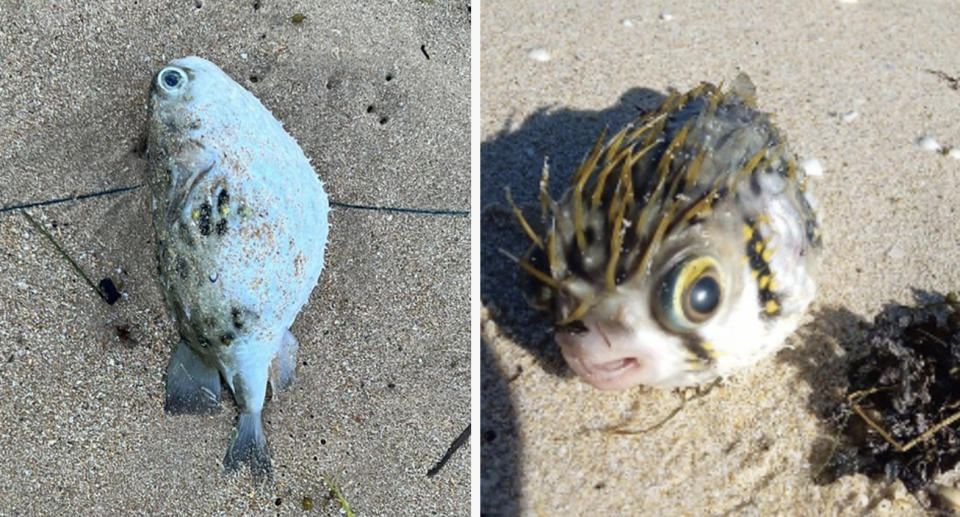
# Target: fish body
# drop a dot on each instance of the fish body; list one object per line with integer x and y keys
{"x": 241, "y": 227}
{"x": 685, "y": 248}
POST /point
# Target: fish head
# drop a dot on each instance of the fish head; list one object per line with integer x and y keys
{"x": 666, "y": 326}
{"x": 684, "y": 249}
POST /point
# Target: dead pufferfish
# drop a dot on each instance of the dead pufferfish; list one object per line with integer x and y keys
{"x": 241, "y": 226}
{"x": 684, "y": 249}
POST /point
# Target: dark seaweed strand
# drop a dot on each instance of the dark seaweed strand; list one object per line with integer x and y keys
{"x": 458, "y": 442}
{"x": 63, "y": 254}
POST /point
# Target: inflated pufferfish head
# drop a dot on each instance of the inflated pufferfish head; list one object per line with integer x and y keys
{"x": 191, "y": 97}
{"x": 684, "y": 249}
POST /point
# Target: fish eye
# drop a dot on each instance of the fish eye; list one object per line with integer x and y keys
{"x": 171, "y": 79}
{"x": 689, "y": 294}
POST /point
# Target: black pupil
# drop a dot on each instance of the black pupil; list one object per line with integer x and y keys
{"x": 705, "y": 295}
{"x": 171, "y": 78}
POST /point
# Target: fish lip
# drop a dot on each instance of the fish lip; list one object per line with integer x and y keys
{"x": 612, "y": 375}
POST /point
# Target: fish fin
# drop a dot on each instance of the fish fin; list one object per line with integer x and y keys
{"x": 284, "y": 365}
{"x": 248, "y": 446}
{"x": 192, "y": 386}
{"x": 744, "y": 89}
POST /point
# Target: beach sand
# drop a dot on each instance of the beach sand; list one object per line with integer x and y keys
{"x": 377, "y": 95}
{"x": 852, "y": 84}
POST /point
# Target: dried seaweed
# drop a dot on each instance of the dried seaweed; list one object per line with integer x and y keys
{"x": 903, "y": 403}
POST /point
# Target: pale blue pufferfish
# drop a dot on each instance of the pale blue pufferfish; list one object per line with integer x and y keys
{"x": 241, "y": 224}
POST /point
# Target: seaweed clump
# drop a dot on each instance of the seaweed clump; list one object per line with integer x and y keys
{"x": 903, "y": 400}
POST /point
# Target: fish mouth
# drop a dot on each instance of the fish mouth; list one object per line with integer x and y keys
{"x": 613, "y": 375}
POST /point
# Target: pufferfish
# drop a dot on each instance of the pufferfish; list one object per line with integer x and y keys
{"x": 684, "y": 249}
{"x": 241, "y": 226}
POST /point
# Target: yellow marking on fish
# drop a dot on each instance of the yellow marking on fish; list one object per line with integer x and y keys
{"x": 708, "y": 348}
{"x": 764, "y": 281}
{"x": 771, "y": 307}
{"x": 747, "y": 232}
{"x": 196, "y": 214}
{"x": 767, "y": 254}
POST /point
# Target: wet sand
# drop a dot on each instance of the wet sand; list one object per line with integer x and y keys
{"x": 377, "y": 96}
{"x": 854, "y": 85}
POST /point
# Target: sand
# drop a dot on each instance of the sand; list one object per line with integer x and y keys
{"x": 383, "y": 379}
{"x": 854, "y": 85}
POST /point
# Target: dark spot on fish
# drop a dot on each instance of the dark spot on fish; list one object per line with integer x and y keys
{"x": 202, "y": 341}
{"x": 389, "y": 77}
{"x": 222, "y": 199}
{"x": 370, "y": 108}
{"x": 182, "y": 268}
{"x": 383, "y": 120}
{"x": 198, "y": 4}
{"x": 298, "y": 18}
{"x": 391, "y": 385}
{"x": 755, "y": 186}
{"x": 254, "y": 78}
{"x": 590, "y": 234}
{"x": 322, "y": 441}
{"x": 256, "y": 5}
{"x": 213, "y": 277}
{"x": 221, "y": 226}
{"x": 489, "y": 436}
{"x": 237, "y": 318}
{"x": 109, "y": 290}
{"x": 423, "y": 48}
{"x": 204, "y": 221}
{"x": 278, "y": 501}
{"x": 227, "y": 338}
{"x": 599, "y": 486}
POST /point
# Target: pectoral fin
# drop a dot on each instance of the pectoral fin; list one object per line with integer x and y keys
{"x": 193, "y": 386}
{"x": 284, "y": 365}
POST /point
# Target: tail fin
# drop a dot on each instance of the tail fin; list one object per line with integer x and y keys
{"x": 249, "y": 446}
